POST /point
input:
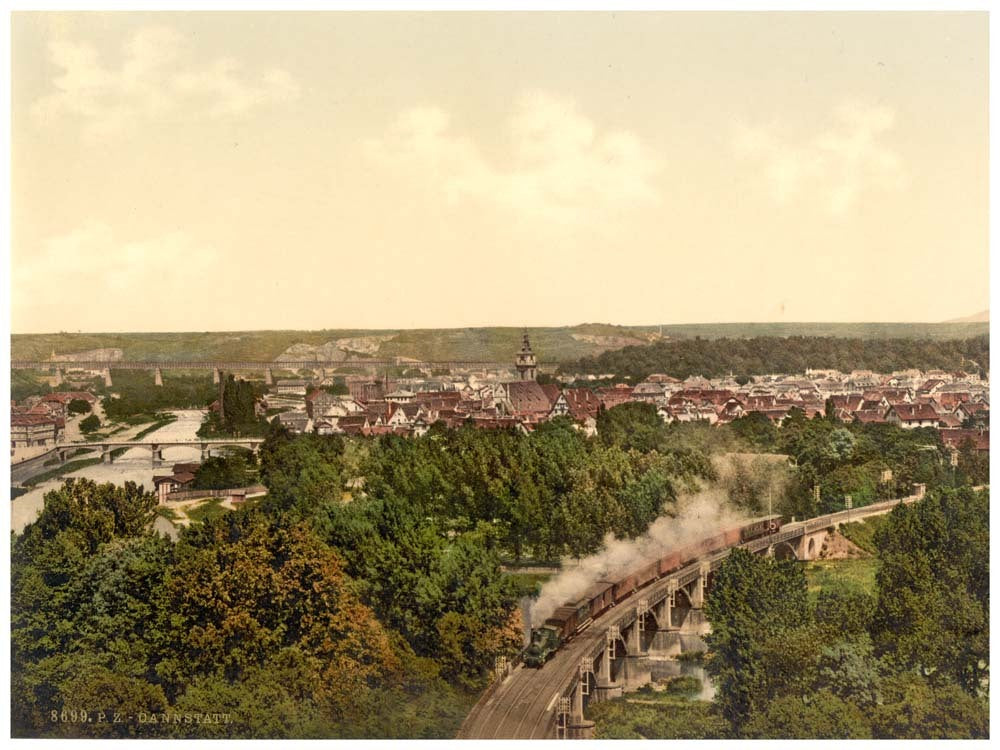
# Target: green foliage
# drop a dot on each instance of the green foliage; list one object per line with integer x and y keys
{"x": 843, "y": 610}
{"x": 757, "y": 431}
{"x": 85, "y": 578}
{"x": 161, "y": 420}
{"x": 754, "y": 599}
{"x": 933, "y": 587}
{"x": 862, "y": 533}
{"x": 498, "y": 344}
{"x": 914, "y": 708}
{"x": 224, "y": 472}
{"x": 90, "y": 424}
{"x": 631, "y": 425}
{"x": 444, "y": 593}
{"x": 846, "y": 578}
{"x": 849, "y": 670}
{"x": 238, "y": 415}
{"x": 302, "y": 473}
{"x": 849, "y": 460}
{"x": 547, "y": 494}
{"x": 137, "y": 395}
{"x": 754, "y": 485}
{"x": 338, "y": 388}
{"x": 24, "y": 383}
{"x": 768, "y": 354}
{"x": 676, "y": 718}
{"x": 209, "y": 509}
{"x": 823, "y": 716}
{"x": 78, "y": 406}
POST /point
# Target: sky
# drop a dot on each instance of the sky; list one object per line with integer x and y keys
{"x": 268, "y": 170}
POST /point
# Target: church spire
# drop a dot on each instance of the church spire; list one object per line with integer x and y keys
{"x": 526, "y": 364}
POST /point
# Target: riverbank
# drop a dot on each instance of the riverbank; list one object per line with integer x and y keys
{"x": 134, "y": 465}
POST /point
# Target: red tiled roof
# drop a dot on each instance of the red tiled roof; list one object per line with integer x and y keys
{"x": 27, "y": 420}
{"x": 914, "y": 412}
{"x": 528, "y": 397}
{"x": 583, "y": 402}
{"x": 955, "y": 438}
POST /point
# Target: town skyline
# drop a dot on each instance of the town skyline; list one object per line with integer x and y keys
{"x": 624, "y": 168}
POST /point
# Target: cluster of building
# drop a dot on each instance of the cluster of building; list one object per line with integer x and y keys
{"x": 957, "y": 403}
{"x": 41, "y": 420}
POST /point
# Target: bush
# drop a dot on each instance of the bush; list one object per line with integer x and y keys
{"x": 78, "y": 406}
{"x": 90, "y": 424}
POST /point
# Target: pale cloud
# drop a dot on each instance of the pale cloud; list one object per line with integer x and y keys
{"x": 560, "y": 166}
{"x": 835, "y": 166}
{"x": 158, "y": 272}
{"x": 155, "y": 79}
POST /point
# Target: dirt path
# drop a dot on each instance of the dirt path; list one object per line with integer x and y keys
{"x": 836, "y": 546}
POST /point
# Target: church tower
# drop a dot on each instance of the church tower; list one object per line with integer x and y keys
{"x": 527, "y": 366}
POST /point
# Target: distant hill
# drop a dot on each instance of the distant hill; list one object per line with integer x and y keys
{"x": 552, "y": 345}
{"x": 979, "y": 317}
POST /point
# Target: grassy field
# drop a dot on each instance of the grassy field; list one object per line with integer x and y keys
{"x": 211, "y": 508}
{"x": 553, "y": 345}
{"x": 841, "y": 575}
{"x": 529, "y": 584}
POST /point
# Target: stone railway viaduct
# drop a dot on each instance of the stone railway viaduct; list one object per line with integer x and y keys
{"x": 612, "y": 655}
{"x": 267, "y": 367}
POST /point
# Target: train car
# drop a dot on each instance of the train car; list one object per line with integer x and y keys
{"x": 689, "y": 554}
{"x": 600, "y": 596}
{"x": 669, "y": 563}
{"x": 759, "y": 527}
{"x": 711, "y": 544}
{"x": 625, "y": 586}
{"x": 565, "y": 620}
{"x": 647, "y": 574}
{"x": 732, "y": 536}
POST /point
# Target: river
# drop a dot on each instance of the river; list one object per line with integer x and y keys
{"x": 134, "y": 465}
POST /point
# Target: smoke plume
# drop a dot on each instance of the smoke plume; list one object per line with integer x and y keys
{"x": 698, "y": 515}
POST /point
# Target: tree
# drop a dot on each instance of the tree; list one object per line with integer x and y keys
{"x": 933, "y": 587}
{"x": 78, "y": 406}
{"x": 850, "y": 670}
{"x": 631, "y": 425}
{"x": 90, "y": 424}
{"x": 338, "y": 388}
{"x": 824, "y": 717}
{"x": 300, "y": 473}
{"x": 243, "y": 589}
{"x": 752, "y": 600}
{"x": 915, "y": 708}
{"x": 757, "y": 430}
{"x": 85, "y": 578}
{"x": 223, "y": 472}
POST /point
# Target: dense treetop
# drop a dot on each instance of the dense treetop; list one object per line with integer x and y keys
{"x": 769, "y": 354}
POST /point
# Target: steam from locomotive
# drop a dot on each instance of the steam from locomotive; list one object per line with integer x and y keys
{"x": 698, "y": 516}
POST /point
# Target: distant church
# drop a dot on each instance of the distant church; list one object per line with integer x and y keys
{"x": 526, "y": 364}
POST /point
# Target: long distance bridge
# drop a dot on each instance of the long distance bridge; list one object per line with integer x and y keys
{"x": 612, "y": 655}
{"x": 268, "y": 368}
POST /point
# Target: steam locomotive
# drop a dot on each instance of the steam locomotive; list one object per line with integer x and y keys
{"x": 575, "y": 616}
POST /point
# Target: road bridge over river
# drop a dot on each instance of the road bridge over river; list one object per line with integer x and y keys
{"x": 612, "y": 655}
{"x": 28, "y": 468}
